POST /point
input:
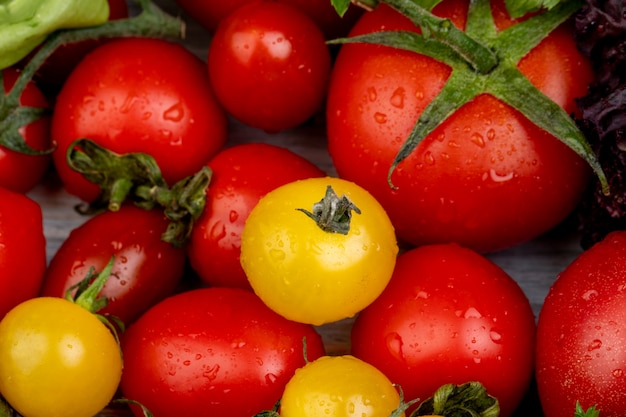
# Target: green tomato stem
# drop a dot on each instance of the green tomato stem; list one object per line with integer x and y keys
{"x": 467, "y": 400}
{"x": 332, "y": 214}
{"x": 136, "y": 177}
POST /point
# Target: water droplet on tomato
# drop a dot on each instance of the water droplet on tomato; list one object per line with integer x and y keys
{"x": 371, "y": 94}
{"x": 478, "y": 139}
{"x": 175, "y": 113}
{"x": 218, "y": 231}
{"x": 497, "y": 177}
{"x": 395, "y": 345}
{"x": 233, "y": 216}
{"x": 617, "y": 373}
{"x": 491, "y": 134}
{"x": 211, "y": 373}
{"x": 594, "y": 345}
{"x": 496, "y": 336}
{"x": 271, "y": 378}
{"x": 277, "y": 254}
{"x": 472, "y": 313}
{"x": 187, "y": 363}
{"x": 380, "y": 117}
{"x": 590, "y": 295}
{"x": 397, "y": 98}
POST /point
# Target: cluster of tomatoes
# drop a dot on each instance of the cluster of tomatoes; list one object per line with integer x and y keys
{"x": 229, "y": 323}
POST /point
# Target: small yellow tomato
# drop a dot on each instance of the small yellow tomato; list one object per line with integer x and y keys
{"x": 318, "y": 250}
{"x": 339, "y": 386}
{"x": 57, "y": 360}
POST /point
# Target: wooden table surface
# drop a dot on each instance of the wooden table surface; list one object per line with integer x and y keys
{"x": 533, "y": 265}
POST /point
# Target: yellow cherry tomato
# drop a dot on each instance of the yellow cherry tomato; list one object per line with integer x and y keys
{"x": 339, "y": 386}
{"x": 318, "y": 250}
{"x": 57, "y": 360}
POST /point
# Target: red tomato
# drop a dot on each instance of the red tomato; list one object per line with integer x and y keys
{"x": 449, "y": 315}
{"x": 242, "y": 174}
{"x": 145, "y": 271}
{"x": 213, "y": 352}
{"x": 209, "y": 13}
{"x": 139, "y": 95}
{"x": 486, "y": 178}
{"x": 269, "y": 65}
{"x": 22, "y": 249}
{"x": 581, "y": 333}
{"x": 53, "y": 73}
{"x": 20, "y": 172}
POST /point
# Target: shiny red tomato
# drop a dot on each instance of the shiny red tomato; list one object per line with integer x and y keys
{"x": 209, "y": 13}
{"x": 139, "y": 95}
{"x": 581, "y": 333}
{"x": 269, "y": 65}
{"x": 213, "y": 352}
{"x": 242, "y": 174}
{"x": 486, "y": 177}
{"x": 18, "y": 171}
{"x": 22, "y": 249}
{"x": 145, "y": 271}
{"x": 449, "y": 315}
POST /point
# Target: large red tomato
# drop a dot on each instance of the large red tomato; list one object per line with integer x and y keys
{"x": 242, "y": 174}
{"x": 581, "y": 334}
{"x": 139, "y": 95}
{"x": 486, "y": 177}
{"x": 213, "y": 352}
{"x": 22, "y": 249}
{"x": 18, "y": 171}
{"x": 449, "y": 315}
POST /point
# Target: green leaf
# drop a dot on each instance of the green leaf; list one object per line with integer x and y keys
{"x": 341, "y": 6}
{"x": 519, "y": 8}
{"x": 590, "y": 412}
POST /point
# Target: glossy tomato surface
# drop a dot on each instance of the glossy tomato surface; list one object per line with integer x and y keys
{"x": 307, "y": 271}
{"x": 213, "y": 352}
{"x": 269, "y": 65}
{"x": 146, "y": 269}
{"x": 18, "y": 171}
{"x": 139, "y": 95}
{"x": 57, "y": 359}
{"x": 22, "y": 249}
{"x": 242, "y": 174}
{"x": 581, "y": 333}
{"x": 449, "y": 315}
{"x": 486, "y": 177}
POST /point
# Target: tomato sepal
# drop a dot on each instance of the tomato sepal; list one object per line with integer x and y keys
{"x": 137, "y": 177}
{"x": 332, "y": 214}
{"x": 590, "y": 412}
{"x": 466, "y": 400}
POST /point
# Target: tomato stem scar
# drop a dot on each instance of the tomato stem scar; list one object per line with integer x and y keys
{"x": 332, "y": 214}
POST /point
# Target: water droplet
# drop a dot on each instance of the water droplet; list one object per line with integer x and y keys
{"x": 187, "y": 363}
{"x": 617, "y": 373}
{"x": 491, "y": 134}
{"x": 371, "y": 94}
{"x": 277, "y": 254}
{"x": 472, "y": 313}
{"x": 271, "y": 378}
{"x": 395, "y": 344}
{"x": 397, "y": 98}
{"x": 590, "y": 295}
{"x": 218, "y": 231}
{"x": 175, "y": 113}
{"x": 380, "y": 117}
{"x": 497, "y": 177}
{"x": 211, "y": 373}
{"x": 233, "y": 216}
{"x": 595, "y": 344}
{"x": 478, "y": 139}
{"x": 495, "y": 336}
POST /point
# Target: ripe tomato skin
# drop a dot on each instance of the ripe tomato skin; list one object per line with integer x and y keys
{"x": 20, "y": 172}
{"x": 22, "y": 249}
{"x": 145, "y": 271}
{"x": 123, "y": 97}
{"x": 581, "y": 333}
{"x": 308, "y": 274}
{"x": 339, "y": 386}
{"x": 212, "y": 352}
{"x": 57, "y": 360}
{"x": 209, "y": 13}
{"x": 450, "y": 314}
{"x": 485, "y": 178}
{"x": 269, "y": 65}
{"x": 242, "y": 174}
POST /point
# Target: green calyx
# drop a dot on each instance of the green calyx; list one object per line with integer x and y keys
{"x": 151, "y": 22}
{"x": 136, "y": 177}
{"x": 332, "y": 214}
{"x": 470, "y": 55}
{"x": 24, "y": 24}
{"x": 466, "y": 400}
